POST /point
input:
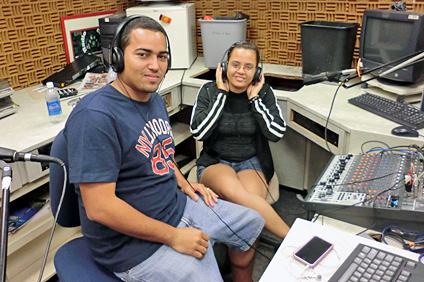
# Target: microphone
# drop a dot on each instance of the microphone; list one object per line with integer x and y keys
{"x": 6, "y": 175}
{"x": 9, "y": 155}
{"x": 326, "y": 76}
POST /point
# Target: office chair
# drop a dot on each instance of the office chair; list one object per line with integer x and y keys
{"x": 72, "y": 261}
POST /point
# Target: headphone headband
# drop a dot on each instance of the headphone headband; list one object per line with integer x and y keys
{"x": 116, "y": 53}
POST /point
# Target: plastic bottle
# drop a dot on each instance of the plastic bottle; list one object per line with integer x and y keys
{"x": 53, "y": 103}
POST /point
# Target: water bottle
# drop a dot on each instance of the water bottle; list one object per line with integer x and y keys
{"x": 53, "y": 103}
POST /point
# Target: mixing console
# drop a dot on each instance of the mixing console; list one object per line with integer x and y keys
{"x": 369, "y": 189}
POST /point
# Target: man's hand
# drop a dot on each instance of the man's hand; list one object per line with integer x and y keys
{"x": 208, "y": 195}
{"x": 190, "y": 241}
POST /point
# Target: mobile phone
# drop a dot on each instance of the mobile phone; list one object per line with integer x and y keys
{"x": 313, "y": 251}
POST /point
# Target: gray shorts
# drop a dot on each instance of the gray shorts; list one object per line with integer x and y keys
{"x": 252, "y": 163}
{"x": 166, "y": 264}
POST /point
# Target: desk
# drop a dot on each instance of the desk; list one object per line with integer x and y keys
{"x": 301, "y": 154}
{"x": 30, "y": 130}
{"x": 283, "y": 267}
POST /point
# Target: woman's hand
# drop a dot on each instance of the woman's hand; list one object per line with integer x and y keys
{"x": 253, "y": 90}
{"x": 221, "y": 83}
{"x": 208, "y": 195}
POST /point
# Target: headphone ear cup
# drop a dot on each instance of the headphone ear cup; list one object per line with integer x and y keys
{"x": 117, "y": 59}
{"x": 258, "y": 73}
{"x": 169, "y": 61}
{"x": 224, "y": 66}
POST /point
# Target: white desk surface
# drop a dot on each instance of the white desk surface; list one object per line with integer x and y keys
{"x": 283, "y": 267}
{"x": 30, "y": 128}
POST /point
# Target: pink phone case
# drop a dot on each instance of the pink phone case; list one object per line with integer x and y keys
{"x": 313, "y": 251}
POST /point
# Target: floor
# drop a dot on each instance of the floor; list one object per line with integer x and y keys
{"x": 289, "y": 208}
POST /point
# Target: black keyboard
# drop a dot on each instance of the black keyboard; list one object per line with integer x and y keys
{"x": 371, "y": 264}
{"x": 395, "y": 111}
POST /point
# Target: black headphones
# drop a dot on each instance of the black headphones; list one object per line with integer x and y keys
{"x": 116, "y": 54}
{"x": 224, "y": 63}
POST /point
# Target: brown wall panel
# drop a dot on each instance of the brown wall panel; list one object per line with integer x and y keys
{"x": 31, "y": 44}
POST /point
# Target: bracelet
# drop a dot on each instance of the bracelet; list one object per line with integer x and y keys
{"x": 253, "y": 99}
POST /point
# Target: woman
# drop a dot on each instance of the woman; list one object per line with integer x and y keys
{"x": 235, "y": 117}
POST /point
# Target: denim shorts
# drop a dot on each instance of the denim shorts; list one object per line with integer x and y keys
{"x": 166, "y": 264}
{"x": 252, "y": 163}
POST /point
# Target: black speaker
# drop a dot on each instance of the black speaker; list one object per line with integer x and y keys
{"x": 107, "y": 26}
{"x": 224, "y": 63}
{"x": 116, "y": 54}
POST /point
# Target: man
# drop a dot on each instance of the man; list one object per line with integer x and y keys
{"x": 120, "y": 146}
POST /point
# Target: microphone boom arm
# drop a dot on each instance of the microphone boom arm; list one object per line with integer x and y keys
{"x": 413, "y": 59}
{"x": 6, "y": 182}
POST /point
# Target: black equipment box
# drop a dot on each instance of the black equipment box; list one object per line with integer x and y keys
{"x": 74, "y": 70}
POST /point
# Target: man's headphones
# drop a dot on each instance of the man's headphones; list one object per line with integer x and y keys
{"x": 241, "y": 44}
{"x": 116, "y": 54}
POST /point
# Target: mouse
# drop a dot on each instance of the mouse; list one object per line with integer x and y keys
{"x": 405, "y": 131}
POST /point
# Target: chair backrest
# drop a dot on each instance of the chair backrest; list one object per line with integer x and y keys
{"x": 69, "y": 212}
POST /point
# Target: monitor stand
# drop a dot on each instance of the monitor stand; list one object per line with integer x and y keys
{"x": 399, "y": 92}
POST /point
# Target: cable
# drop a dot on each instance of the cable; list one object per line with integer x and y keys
{"x": 298, "y": 270}
{"x": 420, "y": 257}
{"x": 46, "y": 253}
{"x": 328, "y": 118}
{"x": 372, "y": 141}
{"x": 366, "y": 229}
{"x": 360, "y": 202}
{"x": 251, "y": 163}
{"x": 172, "y": 159}
{"x": 181, "y": 90}
{"x": 219, "y": 217}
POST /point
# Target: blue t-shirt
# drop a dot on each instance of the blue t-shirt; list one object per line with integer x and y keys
{"x": 112, "y": 138}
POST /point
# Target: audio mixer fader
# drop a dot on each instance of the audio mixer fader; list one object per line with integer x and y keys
{"x": 369, "y": 190}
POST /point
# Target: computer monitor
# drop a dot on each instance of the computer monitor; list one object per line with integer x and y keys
{"x": 390, "y": 35}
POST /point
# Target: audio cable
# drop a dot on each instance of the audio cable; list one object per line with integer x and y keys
{"x": 172, "y": 159}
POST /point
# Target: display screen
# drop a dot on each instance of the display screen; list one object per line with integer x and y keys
{"x": 313, "y": 250}
{"x": 86, "y": 41}
{"x": 387, "y": 40}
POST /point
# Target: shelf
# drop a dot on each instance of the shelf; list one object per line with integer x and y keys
{"x": 181, "y": 132}
{"x": 186, "y": 169}
{"x": 31, "y": 273}
{"x": 29, "y": 187}
{"x": 32, "y": 229}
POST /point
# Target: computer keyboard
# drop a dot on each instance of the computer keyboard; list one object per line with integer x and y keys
{"x": 395, "y": 111}
{"x": 371, "y": 264}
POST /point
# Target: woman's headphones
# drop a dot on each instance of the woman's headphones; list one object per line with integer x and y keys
{"x": 116, "y": 54}
{"x": 243, "y": 44}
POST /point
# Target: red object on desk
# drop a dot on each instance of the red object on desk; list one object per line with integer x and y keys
{"x": 208, "y": 18}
